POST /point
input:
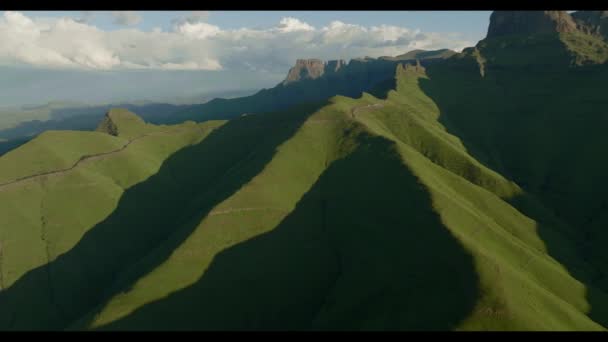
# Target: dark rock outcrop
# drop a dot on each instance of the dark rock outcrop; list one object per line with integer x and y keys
{"x": 305, "y": 69}
{"x": 504, "y": 23}
{"x": 335, "y": 65}
{"x": 107, "y": 125}
{"x": 592, "y": 22}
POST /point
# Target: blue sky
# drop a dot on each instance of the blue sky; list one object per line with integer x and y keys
{"x": 153, "y": 54}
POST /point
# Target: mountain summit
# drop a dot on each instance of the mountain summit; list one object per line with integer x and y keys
{"x": 312, "y": 69}
{"x": 503, "y": 23}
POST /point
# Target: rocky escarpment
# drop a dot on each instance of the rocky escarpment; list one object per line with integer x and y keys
{"x": 310, "y": 69}
{"x": 504, "y": 23}
{"x": 305, "y": 69}
{"x": 121, "y": 122}
{"x": 544, "y": 39}
{"x": 334, "y": 66}
{"x": 592, "y": 22}
{"x": 107, "y": 125}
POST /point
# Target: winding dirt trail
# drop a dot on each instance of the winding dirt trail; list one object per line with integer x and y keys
{"x": 83, "y": 159}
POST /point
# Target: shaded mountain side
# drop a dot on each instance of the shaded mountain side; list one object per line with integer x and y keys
{"x": 540, "y": 40}
{"x": 592, "y": 22}
{"x": 506, "y": 23}
{"x": 423, "y": 54}
{"x": 7, "y": 145}
{"x": 542, "y": 127}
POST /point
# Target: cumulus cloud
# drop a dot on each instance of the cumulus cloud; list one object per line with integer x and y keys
{"x": 290, "y": 24}
{"x": 126, "y": 18}
{"x": 197, "y": 30}
{"x": 193, "y": 44}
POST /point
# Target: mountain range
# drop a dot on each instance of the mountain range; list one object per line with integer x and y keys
{"x": 428, "y": 191}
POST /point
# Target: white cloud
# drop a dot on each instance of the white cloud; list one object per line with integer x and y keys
{"x": 197, "y": 30}
{"x": 290, "y": 24}
{"x": 127, "y": 18}
{"x": 193, "y": 44}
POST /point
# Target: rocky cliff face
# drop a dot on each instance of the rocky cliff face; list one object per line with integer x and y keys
{"x": 107, "y": 125}
{"x": 592, "y": 22}
{"x": 335, "y": 65}
{"x": 312, "y": 69}
{"x": 305, "y": 69}
{"x": 503, "y": 23}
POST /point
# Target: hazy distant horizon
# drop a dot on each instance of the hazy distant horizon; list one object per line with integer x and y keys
{"x": 33, "y": 86}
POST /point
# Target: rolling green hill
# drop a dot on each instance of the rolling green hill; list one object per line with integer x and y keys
{"x": 465, "y": 194}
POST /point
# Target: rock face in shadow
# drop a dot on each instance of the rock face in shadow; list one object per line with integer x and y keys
{"x": 592, "y": 22}
{"x": 334, "y": 66}
{"x": 107, "y": 125}
{"x": 503, "y": 23}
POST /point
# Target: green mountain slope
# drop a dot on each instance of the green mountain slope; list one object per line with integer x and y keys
{"x": 70, "y": 190}
{"x": 461, "y": 195}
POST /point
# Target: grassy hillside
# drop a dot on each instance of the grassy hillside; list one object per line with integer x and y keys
{"x": 46, "y": 214}
{"x": 441, "y": 202}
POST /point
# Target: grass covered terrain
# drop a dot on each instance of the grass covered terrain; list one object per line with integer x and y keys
{"x": 441, "y": 202}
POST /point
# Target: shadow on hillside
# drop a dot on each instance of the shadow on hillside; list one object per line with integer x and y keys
{"x": 179, "y": 195}
{"x": 9, "y": 145}
{"x": 363, "y": 250}
{"x": 469, "y": 110}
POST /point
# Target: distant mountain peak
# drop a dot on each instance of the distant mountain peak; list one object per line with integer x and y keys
{"x": 118, "y": 118}
{"x": 504, "y": 23}
{"x": 305, "y": 69}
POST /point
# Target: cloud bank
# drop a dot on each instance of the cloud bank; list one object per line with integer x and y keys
{"x": 193, "y": 44}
